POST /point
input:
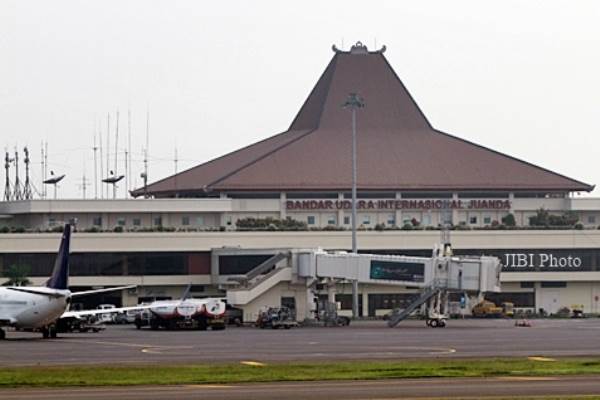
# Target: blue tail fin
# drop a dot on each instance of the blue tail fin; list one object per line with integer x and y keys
{"x": 60, "y": 273}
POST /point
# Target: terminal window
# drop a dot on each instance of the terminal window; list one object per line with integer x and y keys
{"x": 121, "y": 221}
{"x": 366, "y": 220}
{"x": 157, "y": 221}
{"x": 310, "y": 220}
{"x": 137, "y": 222}
{"x": 472, "y": 220}
{"x": 487, "y": 220}
{"x": 558, "y": 284}
{"x": 346, "y": 220}
{"x": 331, "y": 220}
{"x": 592, "y": 219}
{"x": 97, "y": 221}
{"x": 185, "y": 220}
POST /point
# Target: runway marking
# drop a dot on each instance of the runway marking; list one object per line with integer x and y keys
{"x": 535, "y": 358}
{"x": 443, "y": 351}
{"x": 200, "y": 386}
{"x": 526, "y": 378}
{"x": 253, "y": 363}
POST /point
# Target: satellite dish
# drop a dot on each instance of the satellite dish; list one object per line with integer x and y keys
{"x": 54, "y": 180}
{"x": 113, "y": 179}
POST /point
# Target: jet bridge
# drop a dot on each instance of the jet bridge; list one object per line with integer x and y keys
{"x": 305, "y": 269}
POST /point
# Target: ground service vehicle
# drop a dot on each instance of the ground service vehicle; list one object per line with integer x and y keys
{"x": 276, "y": 317}
{"x": 487, "y": 309}
{"x": 185, "y": 313}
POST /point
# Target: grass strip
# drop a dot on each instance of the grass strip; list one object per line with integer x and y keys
{"x": 224, "y": 373}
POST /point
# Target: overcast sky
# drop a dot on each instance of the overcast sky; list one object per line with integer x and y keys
{"x": 521, "y": 77}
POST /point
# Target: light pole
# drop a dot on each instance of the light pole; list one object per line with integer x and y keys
{"x": 354, "y": 102}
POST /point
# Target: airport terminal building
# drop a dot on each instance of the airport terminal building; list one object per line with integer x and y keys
{"x": 292, "y": 190}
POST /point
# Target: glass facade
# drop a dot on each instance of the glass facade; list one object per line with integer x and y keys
{"x": 238, "y": 265}
{"x": 114, "y": 264}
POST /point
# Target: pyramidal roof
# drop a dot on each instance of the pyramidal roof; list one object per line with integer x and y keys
{"x": 397, "y": 148}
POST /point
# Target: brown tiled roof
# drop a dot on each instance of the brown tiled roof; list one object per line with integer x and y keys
{"x": 398, "y": 149}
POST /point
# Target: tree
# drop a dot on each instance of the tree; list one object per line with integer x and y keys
{"x": 508, "y": 220}
{"x": 17, "y": 275}
{"x": 544, "y": 218}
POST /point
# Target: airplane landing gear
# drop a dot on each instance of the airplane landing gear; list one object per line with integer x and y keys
{"x": 49, "y": 332}
{"x": 2, "y": 334}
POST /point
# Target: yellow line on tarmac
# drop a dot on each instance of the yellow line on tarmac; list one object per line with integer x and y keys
{"x": 253, "y": 363}
{"x": 541, "y": 359}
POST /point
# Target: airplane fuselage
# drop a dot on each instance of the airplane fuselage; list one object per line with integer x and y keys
{"x": 32, "y": 310}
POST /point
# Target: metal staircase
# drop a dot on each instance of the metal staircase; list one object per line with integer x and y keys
{"x": 400, "y": 315}
{"x": 263, "y": 268}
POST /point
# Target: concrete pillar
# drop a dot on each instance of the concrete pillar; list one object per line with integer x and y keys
{"x": 105, "y": 221}
{"x": 455, "y": 211}
{"x": 398, "y": 216}
{"x": 214, "y": 268}
{"x": 340, "y": 212}
{"x": 282, "y": 208}
{"x": 365, "y": 301}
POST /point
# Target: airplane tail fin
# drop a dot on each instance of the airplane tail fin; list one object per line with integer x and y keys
{"x": 60, "y": 273}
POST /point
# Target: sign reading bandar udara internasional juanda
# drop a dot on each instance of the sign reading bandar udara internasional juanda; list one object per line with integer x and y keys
{"x": 435, "y": 204}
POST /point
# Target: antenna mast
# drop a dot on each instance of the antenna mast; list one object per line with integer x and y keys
{"x": 84, "y": 182}
{"x": 45, "y": 169}
{"x": 17, "y": 190}
{"x": 128, "y": 154}
{"x": 101, "y": 155}
{"x": 7, "y": 161}
{"x": 116, "y": 153}
{"x": 95, "y": 148}
{"x": 42, "y": 164}
{"x": 145, "y": 174}
{"x": 27, "y": 195}
{"x": 175, "y": 160}
{"x": 107, "y": 150}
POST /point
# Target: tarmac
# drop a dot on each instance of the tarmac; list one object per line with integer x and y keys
{"x": 474, "y": 388}
{"x": 364, "y": 340}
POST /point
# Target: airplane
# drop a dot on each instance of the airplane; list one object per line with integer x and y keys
{"x": 185, "y": 312}
{"x": 38, "y": 308}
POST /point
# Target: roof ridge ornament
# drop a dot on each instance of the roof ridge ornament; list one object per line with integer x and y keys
{"x": 358, "y": 48}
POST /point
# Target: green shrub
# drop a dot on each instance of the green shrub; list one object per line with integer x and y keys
{"x": 508, "y": 220}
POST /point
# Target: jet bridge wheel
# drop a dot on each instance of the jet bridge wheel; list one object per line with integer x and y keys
{"x": 436, "y": 323}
